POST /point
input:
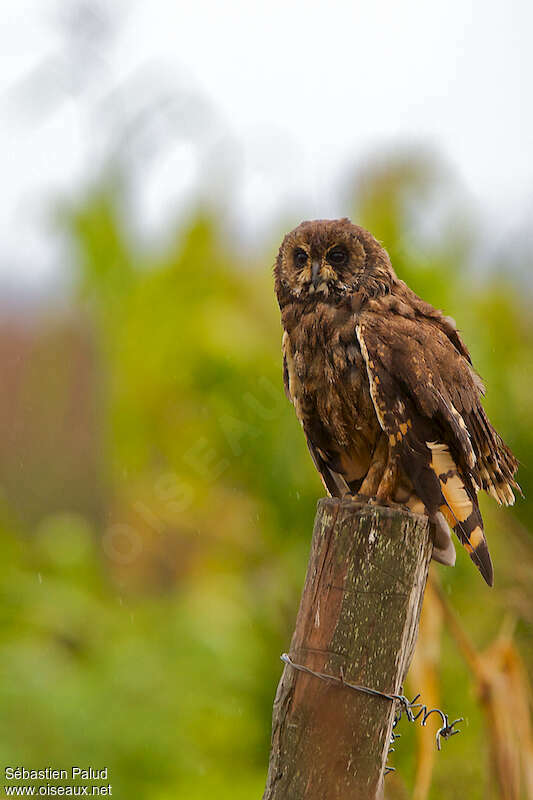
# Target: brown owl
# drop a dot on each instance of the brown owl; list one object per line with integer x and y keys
{"x": 384, "y": 387}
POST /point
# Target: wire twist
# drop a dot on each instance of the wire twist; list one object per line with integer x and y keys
{"x": 413, "y": 710}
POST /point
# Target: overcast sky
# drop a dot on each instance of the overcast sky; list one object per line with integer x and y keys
{"x": 274, "y": 101}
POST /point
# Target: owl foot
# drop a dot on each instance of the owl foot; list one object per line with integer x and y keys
{"x": 378, "y": 501}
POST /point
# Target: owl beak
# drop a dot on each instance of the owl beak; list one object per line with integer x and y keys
{"x": 315, "y": 273}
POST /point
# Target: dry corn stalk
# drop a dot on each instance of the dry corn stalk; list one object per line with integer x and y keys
{"x": 505, "y": 695}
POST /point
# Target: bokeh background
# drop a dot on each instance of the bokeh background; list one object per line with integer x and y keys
{"x": 156, "y": 494}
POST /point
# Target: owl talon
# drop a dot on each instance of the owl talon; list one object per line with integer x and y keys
{"x": 381, "y": 501}
{"x": 360, "y": 498}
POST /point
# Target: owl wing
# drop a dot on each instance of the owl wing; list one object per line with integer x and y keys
{"x": 427, "y": 399}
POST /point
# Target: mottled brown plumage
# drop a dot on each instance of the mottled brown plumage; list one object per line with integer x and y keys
{"x": 384, "y": 387}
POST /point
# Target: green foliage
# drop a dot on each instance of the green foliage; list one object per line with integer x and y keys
{"x": 143, "y": 632}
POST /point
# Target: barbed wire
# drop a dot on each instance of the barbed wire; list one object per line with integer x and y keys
{"x": 412, "y": 709}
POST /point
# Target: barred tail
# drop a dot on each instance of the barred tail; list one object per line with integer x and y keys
{"x": 461, "y": 509}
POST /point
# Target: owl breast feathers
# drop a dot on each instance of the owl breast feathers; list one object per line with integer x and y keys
{"x": 384, "y": 387}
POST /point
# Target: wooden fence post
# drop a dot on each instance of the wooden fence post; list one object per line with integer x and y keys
{"x": 358, "y": 615}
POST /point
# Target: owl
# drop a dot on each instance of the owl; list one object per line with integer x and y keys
{"x": 384, "y": 387}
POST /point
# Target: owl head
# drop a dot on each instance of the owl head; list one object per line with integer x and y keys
{"x": 330, "y": 258}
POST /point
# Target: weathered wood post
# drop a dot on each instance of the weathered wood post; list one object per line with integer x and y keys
{"x": 358, "y": 616}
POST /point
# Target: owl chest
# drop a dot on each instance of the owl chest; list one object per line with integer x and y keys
{"x": 327, "y": 364}
{"x": 327, "y": 377}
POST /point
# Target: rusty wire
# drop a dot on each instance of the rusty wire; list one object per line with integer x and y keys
{"x": 413, "y": 710}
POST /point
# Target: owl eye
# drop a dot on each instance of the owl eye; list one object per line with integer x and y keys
{"x": 337, "y": 256}
{"x": 300, "y": 257}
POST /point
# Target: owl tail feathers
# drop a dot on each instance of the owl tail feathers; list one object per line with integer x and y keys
{"x": 471, "y": 535}
{"x": 461, "y": 510}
